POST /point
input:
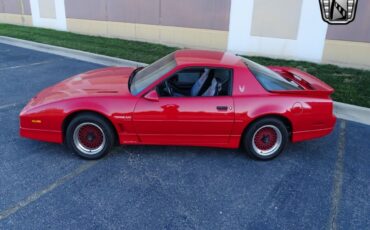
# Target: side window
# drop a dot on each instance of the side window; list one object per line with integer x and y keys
{"x": 224, "y": 78}
{"x": 269, "y": 79}
{"x": 197, "y": 82}
{"x": 188, "y": 76}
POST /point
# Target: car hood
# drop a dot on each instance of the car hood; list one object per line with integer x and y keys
{"x": 101, "y": 82}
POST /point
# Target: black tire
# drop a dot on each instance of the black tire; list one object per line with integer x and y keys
{"x": 90, "y": 136}
{"x": 265, "y": 139}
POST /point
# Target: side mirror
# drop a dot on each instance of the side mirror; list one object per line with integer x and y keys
{"x": 152, "y": 96}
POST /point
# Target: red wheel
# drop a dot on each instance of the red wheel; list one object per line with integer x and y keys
{"x": 266, "y": 138}
{"x": 90, "y": 136}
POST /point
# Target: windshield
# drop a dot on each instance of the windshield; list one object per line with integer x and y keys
{"x": 269, "y": 79}
{"x": 151, "y": 73}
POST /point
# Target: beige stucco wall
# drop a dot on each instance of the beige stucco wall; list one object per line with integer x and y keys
{"x": 201, "y": 14}
{"x": 345, "y": 53}
{"x": 16, "y": 19}
{"x": 169, "y": 35}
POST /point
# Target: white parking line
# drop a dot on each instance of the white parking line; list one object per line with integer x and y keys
{"x": 338, "y": 178}
{"x": 37, "y": 195}
{"x": 22, "y": 66}
{"x": 8, "y": 106}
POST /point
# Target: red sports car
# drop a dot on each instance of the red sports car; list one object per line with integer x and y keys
{"x": 189, "y": 97}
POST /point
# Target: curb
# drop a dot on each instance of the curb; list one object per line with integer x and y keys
{"x": 352, "y": 112}
{"x": 341, "y": 110}
{"x": 70, "y": 53}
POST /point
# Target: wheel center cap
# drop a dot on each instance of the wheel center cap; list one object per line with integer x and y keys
{"x": 90, "y": 137}
{"x": 266, "y": 139}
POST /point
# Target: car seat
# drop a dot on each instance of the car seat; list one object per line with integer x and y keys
{"x": 195, "y": 89}
{"x": 212, "y": 90}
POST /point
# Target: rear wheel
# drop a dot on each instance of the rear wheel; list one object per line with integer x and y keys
{"x": 266, "y": 138}
{"x": 90, "y": 136}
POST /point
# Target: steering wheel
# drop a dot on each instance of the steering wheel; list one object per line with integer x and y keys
{"x": 169, "y": 89}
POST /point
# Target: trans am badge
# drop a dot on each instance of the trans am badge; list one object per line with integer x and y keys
{"x": 338, "y": 12}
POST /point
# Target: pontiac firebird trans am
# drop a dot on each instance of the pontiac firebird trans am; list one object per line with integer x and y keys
{"x": 189, "y": 97}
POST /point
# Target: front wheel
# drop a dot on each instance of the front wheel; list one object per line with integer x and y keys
{"x": 266, "y": 138}
{"x": 90, "y": 136}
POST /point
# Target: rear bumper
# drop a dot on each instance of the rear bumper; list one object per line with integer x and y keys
{"x": 42, "y": 135}
{"x": 312, "y": 134}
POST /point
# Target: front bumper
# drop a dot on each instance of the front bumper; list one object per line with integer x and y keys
{"x": 42, "y": 135}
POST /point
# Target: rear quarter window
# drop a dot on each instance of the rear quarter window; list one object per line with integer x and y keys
{"x": 269, "y": 79}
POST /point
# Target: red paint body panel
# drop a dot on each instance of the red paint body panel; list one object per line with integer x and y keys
{"x": 42, "y": 135}
{"x": 181, "y": 121}
{"x": 185, "y": 121}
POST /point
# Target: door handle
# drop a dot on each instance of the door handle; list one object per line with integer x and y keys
{"x": 222, "y": 108}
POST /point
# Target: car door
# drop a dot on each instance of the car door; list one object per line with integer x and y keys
{"x": 184, "y": 120}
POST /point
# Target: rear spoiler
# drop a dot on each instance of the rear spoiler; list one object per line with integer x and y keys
{"x": 312, "y": 86}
